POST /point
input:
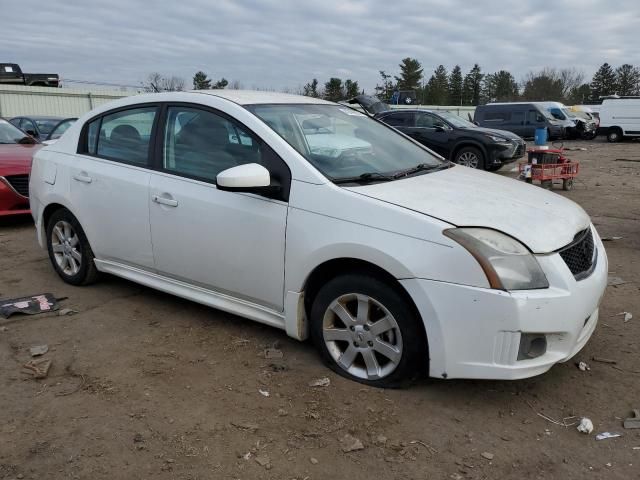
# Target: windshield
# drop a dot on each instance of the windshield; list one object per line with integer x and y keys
{"x": 343, "y": 143}
{"x": 11, "y": 134}
{"x": 457, "y": 121}
{"x": 560, "y": 113}
{"x": 61, "y": 128}
{"x": 46, "y": 125}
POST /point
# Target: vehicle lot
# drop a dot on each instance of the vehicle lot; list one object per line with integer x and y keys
{"x": 145, "y": 384}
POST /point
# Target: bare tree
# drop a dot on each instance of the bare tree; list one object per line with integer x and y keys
{"x": 156, "y": 82}
{"x": 235, "y": 85}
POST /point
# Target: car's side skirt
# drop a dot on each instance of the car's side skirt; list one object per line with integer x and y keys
{"x": 197, "y": 294}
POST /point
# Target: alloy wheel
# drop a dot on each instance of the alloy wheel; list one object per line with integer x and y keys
{"x": 468, "y": 159}
{"x": 65, "y": 244}
{"x": 362, "y": 336}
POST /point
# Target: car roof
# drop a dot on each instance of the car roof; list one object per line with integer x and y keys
{"x": 41, "y": 117}
{"x": 251, "y": 97}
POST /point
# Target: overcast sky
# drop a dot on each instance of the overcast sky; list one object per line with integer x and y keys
{"x": 286, "y": 43}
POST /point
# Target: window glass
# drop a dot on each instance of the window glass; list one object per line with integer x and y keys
{"x": 26, "y": 124}
{"x": 497, "y": 116}
{"x": 201, "y": 144}
{"x": 45, "y": 125}
{"x": 535, "y": 116}
{"x": 341, "y": 142}
{"x": 60, "y": 129}
{"x": 404, "y": 119}
{"x": 125, "y": 135}
{"x": 425, "y": 120}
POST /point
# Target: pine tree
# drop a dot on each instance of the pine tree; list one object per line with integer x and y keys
{"x": 472, "y": 86}
{"x": 455, "y": 86}
{"x": 201, "y": 81}
{"x": 500, "y": 87}
{"x": 438, "y": 87}
{"x": 603, "y": 82}
{"x": 410, "y": 74}
{"x": 628, "y": 80}
{"x": 311, "y": 89}
{"x": 333, "y": 90}
{"x": 351, "y": 88}
{"x": 384, "y": 91}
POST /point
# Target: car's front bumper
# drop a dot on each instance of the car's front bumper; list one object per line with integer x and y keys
{"x": 476, "y": 332}
{"x": 507, "y": 152}
{"x": 11, "y": 202}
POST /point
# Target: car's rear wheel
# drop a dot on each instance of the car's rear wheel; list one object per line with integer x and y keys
{"x": 69, "y": 250}
{"x": 470, "y": 157}
{"x": 614, "y": 135}
{"x": 365, "y": 330}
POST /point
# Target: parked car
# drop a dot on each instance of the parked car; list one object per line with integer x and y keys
{"x": 394, "y": 261}
{"x": 620, "y": 118}
{"x": 521, "y": 118}
{"x": 448, "y": 135}
{"x": 43, "y": 127}
{"x": 580, "y": 128}
{"x": 11, "y": 74}
{"x": 16, "y": 151}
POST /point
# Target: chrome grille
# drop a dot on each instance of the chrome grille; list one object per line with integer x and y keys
{"x": 579, "y": 255}
{"x": 20, "y": 183}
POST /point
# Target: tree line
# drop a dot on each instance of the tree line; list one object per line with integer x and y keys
{"x": 475, "y": 87}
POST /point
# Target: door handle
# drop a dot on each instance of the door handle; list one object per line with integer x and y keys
{"x": 168, "y": 201}
{"x": 82, "y": 177}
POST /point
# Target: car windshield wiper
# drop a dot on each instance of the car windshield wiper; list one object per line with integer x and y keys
{"x": 421, "y": 167}
{"x": 365, "y": 178}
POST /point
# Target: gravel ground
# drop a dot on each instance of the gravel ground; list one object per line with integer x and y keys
{"x": 144, "y": 384}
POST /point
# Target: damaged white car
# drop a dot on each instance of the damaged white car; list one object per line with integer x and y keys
{"x": 316, "y": 219}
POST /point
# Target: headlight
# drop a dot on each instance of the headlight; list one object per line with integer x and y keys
{"x": 506, "y": 262}
{"x": 495, "y": 138}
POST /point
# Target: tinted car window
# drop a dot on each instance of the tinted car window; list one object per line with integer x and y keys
{"x": 427, "y": 121}
{"x": 404, "y": 119}
{"x": 201, "y": 144}
{"x": 535, "y": 116}
{"x": 60, "y": 129}
{"x": 497, "y": 116}
{"x": 26, "y": 124}
{"x": 125, "y": 135}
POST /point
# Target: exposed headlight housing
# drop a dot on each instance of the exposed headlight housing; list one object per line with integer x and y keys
{"x": 506, "y": 262}
{"x": 496, "y": 138}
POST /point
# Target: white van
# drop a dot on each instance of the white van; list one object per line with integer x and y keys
{"x": 620, "y": 118}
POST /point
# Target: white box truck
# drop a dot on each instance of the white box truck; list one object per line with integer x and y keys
{"x": 620, "y": 118}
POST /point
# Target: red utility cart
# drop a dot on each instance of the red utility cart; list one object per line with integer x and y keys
{"x": 547, "y": 165}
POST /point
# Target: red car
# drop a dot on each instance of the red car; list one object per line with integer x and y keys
{"x": 16, "y": 152}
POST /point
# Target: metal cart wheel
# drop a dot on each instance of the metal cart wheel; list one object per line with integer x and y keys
{"x": 546, "y": 184}
{"x": 567, "y": 184}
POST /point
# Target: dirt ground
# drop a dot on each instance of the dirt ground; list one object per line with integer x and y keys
{"x": 146, "y": 385}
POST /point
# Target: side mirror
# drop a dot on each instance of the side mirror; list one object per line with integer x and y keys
{"x": 33, "y": 133}
{"x": 251, "y": 177}
{"x": 439, "y": 127}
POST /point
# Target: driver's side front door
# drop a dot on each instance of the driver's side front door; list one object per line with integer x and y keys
{"x": 433, "y": 133}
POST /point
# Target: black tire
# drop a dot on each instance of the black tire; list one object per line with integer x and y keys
{"x": 87, "y": 272}
{"x": 567, "y": 184}
{"x": 614, "y": 135}
{"x": 549, "y": 137}
{"x": 470, "y": 151}
{"x": 413, "y": 352}
{"x": 546, "y": 184}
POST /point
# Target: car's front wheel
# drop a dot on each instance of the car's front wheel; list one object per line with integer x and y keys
{"x": 69, "y": 250}
{"x": 365, "y": 330}
{"x": 470, "y": 157}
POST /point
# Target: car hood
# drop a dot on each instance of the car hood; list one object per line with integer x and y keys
{"x": 15, "y": 159}
{"x": 371, "y": 105}
{"x": 493, "y": 131}
{"x": 461, "y": 196}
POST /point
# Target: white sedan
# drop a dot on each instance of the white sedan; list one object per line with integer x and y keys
{"x": 314, "y": 218}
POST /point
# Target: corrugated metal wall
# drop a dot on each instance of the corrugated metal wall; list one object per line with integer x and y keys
{"x": 20, "y": 100}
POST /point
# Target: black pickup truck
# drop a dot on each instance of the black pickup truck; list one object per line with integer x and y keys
{"x": 11, "y": 74}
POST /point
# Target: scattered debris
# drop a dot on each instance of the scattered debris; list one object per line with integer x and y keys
{"x": 381, "y": 440}
{"x": 349, "y": 443}
{"x": 3, "y": 329}
{"x": 610, "y": 239}
{"x": 38, "y": 368}
{"x": 627, "y": 316}
{"x": 585, "y": 426}
{"x": 263, "y": 460}
{"x": 31, "y": 305}
{"x": 626, "y": 160}
{"x": 615, "y": 281}
{"x": 282, "y": 412}
{"x": 278, "y": 367}
{"x": 264, "y": 393}
{"x": 425, "y": 445}
{"x": 583, "y": 366}
{"x": 247, "y": 456}
{"x": 634, "y": 421}
{"x": 604, "y": 360}
{"x": 79, "y": 387}
{"x": 39, "y": 350}
{"x": 314, "y": 461}
{"x": 66, "y": 311}
{"x": 320, "y": 382}
{"x": 605, "y": 435}
{"x": 138, "y": 438}
{"x": 487, "y": 455}
{"x": 245, "y": 426}
{"x": 575, "y": 149}
{"x": 271, "y": 353}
